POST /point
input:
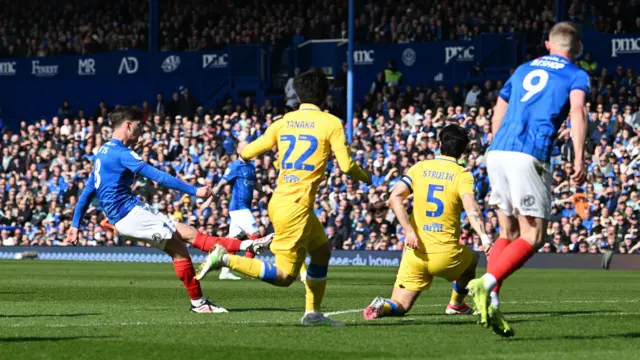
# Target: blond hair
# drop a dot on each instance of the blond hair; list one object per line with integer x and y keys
{"x": 564, "y": 36}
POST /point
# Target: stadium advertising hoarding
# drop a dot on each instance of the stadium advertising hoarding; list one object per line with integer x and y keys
{"x": 338, "y": 257}
{"x": 36, "y": 87}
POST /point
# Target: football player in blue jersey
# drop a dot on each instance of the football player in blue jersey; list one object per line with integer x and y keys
{"x": 114, "y": 169}
{"x": 241, "y": 175}
{"x": 532, "y": 106}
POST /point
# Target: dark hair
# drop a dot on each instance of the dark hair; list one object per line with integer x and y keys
{"x": 119, "y": 116}
{"x": 453, "y": 141}
{"x": 312, "y": 87}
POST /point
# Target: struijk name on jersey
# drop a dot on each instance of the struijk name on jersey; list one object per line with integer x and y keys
{"x": 43, "y": 70}
{"x": 215, "y": 61}
{"x": 8, "y": 68}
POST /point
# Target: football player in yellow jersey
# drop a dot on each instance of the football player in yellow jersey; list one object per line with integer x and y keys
{"x": 441, "y": 189}
{"x": 304, "y": 139}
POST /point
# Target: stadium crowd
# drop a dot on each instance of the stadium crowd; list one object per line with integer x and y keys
{"x": 32, "y": 28}
{"x": 44, "y": 166}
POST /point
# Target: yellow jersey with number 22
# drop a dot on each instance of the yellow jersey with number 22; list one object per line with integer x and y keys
{"x": 304, "y": 138}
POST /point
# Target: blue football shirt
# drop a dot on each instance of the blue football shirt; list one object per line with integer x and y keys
{"x": 242, "y": 177}
{"x": 538, "y": 97}
{"x": 114, "y": 169}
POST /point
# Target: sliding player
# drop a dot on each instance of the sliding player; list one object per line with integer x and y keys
{"x": 531, "y": 107}
{"x": 114, "y": 169}
{"x": 304, "y": 139}
{"x": 441, "y": 189}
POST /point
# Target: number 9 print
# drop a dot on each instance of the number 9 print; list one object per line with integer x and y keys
{"x": 531, "y": 88}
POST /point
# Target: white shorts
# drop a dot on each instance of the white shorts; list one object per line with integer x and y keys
{"x": 242, "y": 221}
{"x": 145, "y": 223}
{"x": 520, "y": 184}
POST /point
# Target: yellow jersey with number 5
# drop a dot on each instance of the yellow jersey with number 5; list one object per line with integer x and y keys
{"x": 438, "y": 186}
{"x": 304, "y": 139}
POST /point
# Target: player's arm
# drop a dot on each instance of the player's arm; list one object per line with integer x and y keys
{"x": 473, "y": 210}
{"x": 81, "y": 208}
{"x": 400, "y": 192}
{"x": 501, "y": 107}
{"x": 228, "y": 176}
{"x": 579, "y": 119}
{"x": 345, "y": 161}
{"x": 133, "y": 162}
{"x": 84, "y": 201}
{"x": 262, "y": 144}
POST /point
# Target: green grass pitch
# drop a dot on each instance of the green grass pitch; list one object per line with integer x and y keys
{"x": 70, "y": 310}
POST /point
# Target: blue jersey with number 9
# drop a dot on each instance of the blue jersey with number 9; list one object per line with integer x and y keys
{"x": 538, "y": 97}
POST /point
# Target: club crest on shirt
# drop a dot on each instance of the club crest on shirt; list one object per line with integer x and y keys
{"x": 528, "y": 201}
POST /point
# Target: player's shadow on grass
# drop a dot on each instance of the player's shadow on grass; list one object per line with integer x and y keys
{"x": 51, "y": 338}
{"x": 265, "y": 309}
{"x": 631, "y": 335}
{"x": 558, "y": 313}
{"x": 26, "y": 316}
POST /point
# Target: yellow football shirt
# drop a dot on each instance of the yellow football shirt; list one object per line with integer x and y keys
{"x": 304, "y": 139}
{"x": 438, "y": 186}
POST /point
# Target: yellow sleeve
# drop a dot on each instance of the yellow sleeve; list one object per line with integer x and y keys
{"x": 465, "y": 183}
{"x": 263, "y": 144}
{"x": 346, "y": 163}
{"x": 407, "y": 178}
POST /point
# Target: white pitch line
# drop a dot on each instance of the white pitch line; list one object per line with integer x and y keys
{"x": 534, "y": 302}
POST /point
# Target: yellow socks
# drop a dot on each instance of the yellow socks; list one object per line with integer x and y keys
{"x": 316, "y": 283}
{"x": 253, "y": 267}
{"x": 458, "y": 294}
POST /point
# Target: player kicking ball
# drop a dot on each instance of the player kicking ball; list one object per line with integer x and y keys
{"x": 241, "y": 175}
{"x": 114, "y": 169}
{"x": 304, "y": 139}
{"x": 532, "y": 106}
{"x": 441, "y": 189}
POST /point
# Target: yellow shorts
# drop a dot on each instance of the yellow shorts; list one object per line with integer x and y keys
{"x": 417, "y": 269}
{"x": 298, "y": 231}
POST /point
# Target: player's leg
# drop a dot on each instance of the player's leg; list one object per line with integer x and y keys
{"x": 457, "y": 304}
{"x": 206, "y": 242}
{"x": 143, "y": 223}
{"x": 509, "y": 231}
{"x": 247, "y": 224}
{"x": 412, "y": 279}
{"x": 316, "y": 277}
{"x": 234, "y": 232}
{"x": 529, "y": 183}
{"x": 289, "y": 222}
{"x": 498, "y": 167}
{"x": 400, "y": 303}
{"x": 186, "y": 273}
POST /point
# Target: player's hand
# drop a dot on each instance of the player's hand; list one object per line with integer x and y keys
{"x": 72, "y": 235}
{"x": 411, "y": 240}
{"x": 579, "y": 175}
{"x": 486, "y": 248}
{"x": 204, "y": 191}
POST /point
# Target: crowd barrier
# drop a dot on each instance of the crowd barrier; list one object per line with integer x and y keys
{"x": 338, "y": 257}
